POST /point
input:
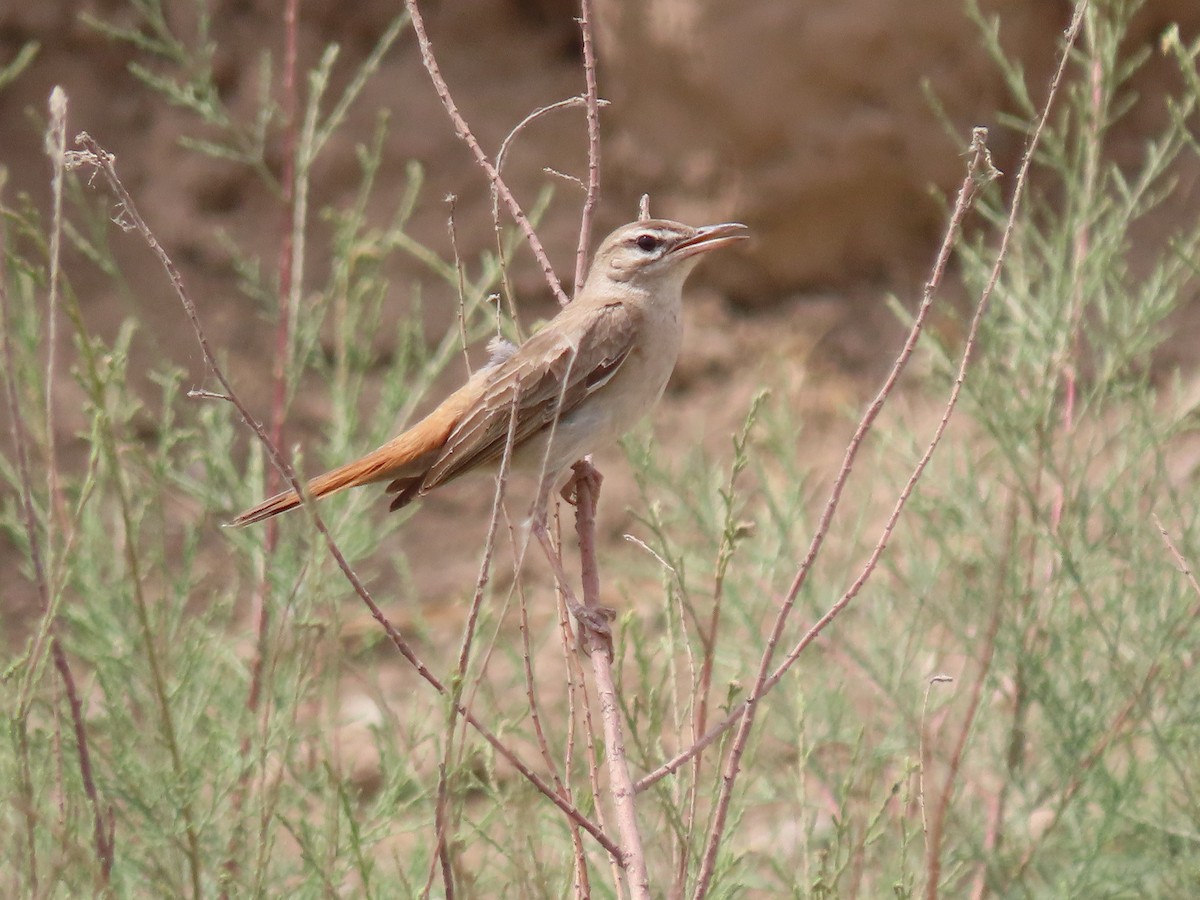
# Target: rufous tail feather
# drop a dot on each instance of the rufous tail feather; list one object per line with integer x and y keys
{"x": 405, "y": 459}
{"x": 349, "y": 475}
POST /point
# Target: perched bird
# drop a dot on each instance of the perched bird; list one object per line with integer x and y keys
{"x": 581, "y": 382}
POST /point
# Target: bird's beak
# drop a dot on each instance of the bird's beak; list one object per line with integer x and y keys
{"x": 710, "y": 237}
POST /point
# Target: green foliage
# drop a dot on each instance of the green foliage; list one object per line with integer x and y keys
{"x": 1028, "y": 566}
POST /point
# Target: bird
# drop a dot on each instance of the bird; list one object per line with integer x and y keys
{"x": 581, "y": 382}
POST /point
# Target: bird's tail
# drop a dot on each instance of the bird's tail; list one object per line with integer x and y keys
{"x": 361, "y": 471}
{"x": 404, "y": 461}
{"x": 395, "y": 461}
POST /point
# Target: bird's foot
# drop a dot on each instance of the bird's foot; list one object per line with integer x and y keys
{"x": 582, "y": 472}
{"x": 594, "y": 621}
{"x": 595, "y": 624}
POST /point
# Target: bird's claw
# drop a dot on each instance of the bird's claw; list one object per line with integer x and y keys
{"x": 582, "y": 471}
{"x": 595, "y": 625}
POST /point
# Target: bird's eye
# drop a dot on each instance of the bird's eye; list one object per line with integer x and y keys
{"x": 648, "y": 242}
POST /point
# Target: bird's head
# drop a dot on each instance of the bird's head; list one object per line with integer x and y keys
{"x": 658, "y": 251}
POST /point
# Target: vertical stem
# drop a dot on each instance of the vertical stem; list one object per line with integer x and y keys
{"x": 283, "y": 341}
{"x": 56, "y": 147}
{"x": 593, "y": 128}
{"x": 283, "y": 326}
{"x": 463, "y": 130}
{"x": 599, "y": 647}
{"x": 103, "y": 834}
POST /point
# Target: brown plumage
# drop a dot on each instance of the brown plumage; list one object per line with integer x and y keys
{"x": 580, "y": 382}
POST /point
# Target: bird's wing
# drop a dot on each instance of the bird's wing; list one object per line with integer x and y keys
{"x": 550, "y": 375}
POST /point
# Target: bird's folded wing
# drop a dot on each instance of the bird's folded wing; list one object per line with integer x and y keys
{"x": 549, "y": 376}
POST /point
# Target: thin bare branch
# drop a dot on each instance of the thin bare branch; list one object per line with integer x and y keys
{"x": 593, "y": 130}
{"x": 978, "y": 165}
{"x": 56, "y": 148}
{"x": 568, "y": 103}
{"x": 285, "y": 271}
{"x": 464, "y": 657}
{"x": 103, "y": 826}
{"x": 461, "y": 285}
{"x": 599, "y": 647}
{"x": 980, "y": 171}
{"x": 28, "y": 514}
{"x": 42, "y": 558}
{"x": 464, "y": 132}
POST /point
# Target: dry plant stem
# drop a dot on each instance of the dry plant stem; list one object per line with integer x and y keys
{"x": 461, "y": 285}
{"x": 979, "y": 169}
{"x": 104, "y": 835}
{"x": 261, "y": 609}
{"x": 699, "y": 712}
{"x": 682, "y": 797}
{"x": 489, "y": 547}
{"x": 97, "y": 157}
{"x": 589, "y": 619}
{"x": 464, "y": 132}
{"x": 966, "y": 193}
{"x": 599, "y": 647}
{"x": 283, "y": 324}
{"x": 441, "y": 859}
{"x": 464, "y": 656}
{"x": 979, "y": 172}
{"x": 111, "y": 453}
{"x": 21, "y": 441}
{"x": 506, "y": 144}
{"x": 527, "y": 664}
{"x": 583, "y": 887}
{"x": 561, "y": 783}
{"x": 501, "y": 156}
{"x": 104, "y": 832}
{"x": 923, "y": 748}
{"x": 593, "y": 130}
{"x": 56, "y": 147}
{"x": 576, "y": 689}
{"x": 104, "y": 828}
{"x": 1187, "y": 572}
{"x": 582, "y": 884}
{"x": 287, "y": 184}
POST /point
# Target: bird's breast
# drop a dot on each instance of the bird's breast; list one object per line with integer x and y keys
{"x": 640, "y": 382}
{"x": 617, "y": 406}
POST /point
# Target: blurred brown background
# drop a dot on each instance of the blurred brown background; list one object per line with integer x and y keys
{"x": 811, "y": 122}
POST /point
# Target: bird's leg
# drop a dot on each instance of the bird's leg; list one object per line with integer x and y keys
{"x": 596, "y": 618}
{"x": 587, "y": 494}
